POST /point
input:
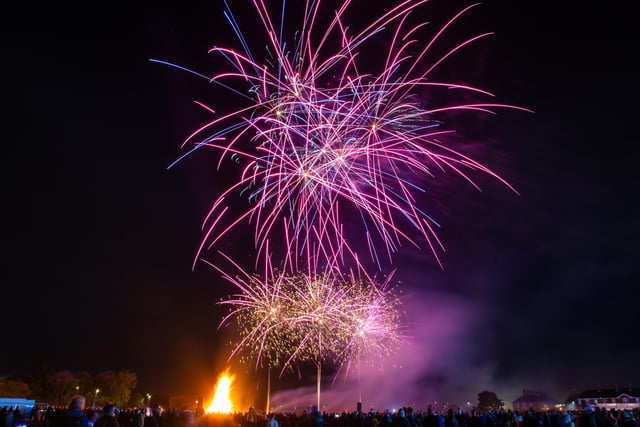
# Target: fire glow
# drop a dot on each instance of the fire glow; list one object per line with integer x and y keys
{"x": 221, "y": 402}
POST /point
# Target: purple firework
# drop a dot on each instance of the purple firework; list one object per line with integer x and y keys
{"x": 320, "y": 138}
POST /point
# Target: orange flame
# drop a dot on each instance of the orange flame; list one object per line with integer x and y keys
{"x": 221, "y": 402}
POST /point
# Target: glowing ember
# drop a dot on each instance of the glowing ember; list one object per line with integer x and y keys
{"x": 221, "y": 402}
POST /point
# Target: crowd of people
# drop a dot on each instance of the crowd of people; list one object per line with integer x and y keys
{"x": 76, "y": 415}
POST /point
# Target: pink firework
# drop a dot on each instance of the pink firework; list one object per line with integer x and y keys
{"x": 321, "y": 140}
{"x": 375, "y": 327}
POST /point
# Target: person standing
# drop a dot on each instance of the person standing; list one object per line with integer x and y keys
{"x": 108, "y": 417}
{"x": 74, "y": 416}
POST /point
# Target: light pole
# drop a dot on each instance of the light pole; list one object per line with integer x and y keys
{"x": 94, "y": 397}
{"x": 148, "y": 399}
{"x": 77, "y": 389}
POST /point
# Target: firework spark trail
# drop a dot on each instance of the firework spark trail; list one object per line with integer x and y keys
{"x": 314, "y": 152}
{"x": 375, "y": 327}
{"x": 285, "y": 320}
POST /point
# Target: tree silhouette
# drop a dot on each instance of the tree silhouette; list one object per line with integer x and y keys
{"x": 488, "y": 401}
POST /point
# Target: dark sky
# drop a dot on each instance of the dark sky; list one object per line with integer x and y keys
{"x": 99, "y": 236}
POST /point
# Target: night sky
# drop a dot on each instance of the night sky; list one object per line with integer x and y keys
{"x": 539, "y": 290}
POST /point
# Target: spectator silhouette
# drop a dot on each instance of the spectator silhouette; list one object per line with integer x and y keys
{"x": 108, "y": 417}
{"x": 74, "y": 416}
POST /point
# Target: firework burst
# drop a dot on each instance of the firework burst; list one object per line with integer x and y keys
{"x": 320, "y": 139}
{"x": 284, "y": 319}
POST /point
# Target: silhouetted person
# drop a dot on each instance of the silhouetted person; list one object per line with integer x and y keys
{"x": 74, "y": 416}
{"x": 451, "y": 420}
{"x": 149, "y": 419}
{"x": 252, "y": 419}
{"x": 430, "y": 420}
{"x": 627, "y": 419}
{"x": 108, "y": 417}
{"x": 4, "y": 416}
{"x": 588, "y": 419}
{"x": 401, "y": 419}
{"x": 474, "y": 420}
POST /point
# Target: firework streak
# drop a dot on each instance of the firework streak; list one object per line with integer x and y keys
{"x": 320, "y": 139}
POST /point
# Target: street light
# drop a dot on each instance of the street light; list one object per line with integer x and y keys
{"x": 94, "y": 397}
{"x": 77, "y": 389}
{"x": 148, "y": 399}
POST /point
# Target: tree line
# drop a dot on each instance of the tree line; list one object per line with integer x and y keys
{"x": 56, "y": 388}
